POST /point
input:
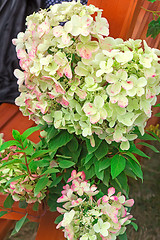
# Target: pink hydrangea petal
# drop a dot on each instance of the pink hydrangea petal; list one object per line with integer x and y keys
{"x": 129, "y": 203}
{"x": 63, "y": 198}
{"x": 111, "y": 191}
{"x": 105, "y": 198}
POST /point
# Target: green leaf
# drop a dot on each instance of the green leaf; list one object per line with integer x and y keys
{"x": 29, "y": 150}
{"x": 133, "y": 149}
{"x": 118, "y": 164}
{"x": 129, "y": 173}
{"x": 149, "y": 146}
{"x": 62, "y": 156}
{"x": 51, "y": 132}
{"x": 88, "y": 158}
{"x": 135, "y": 168}
{"x": 73, "y": 145}
{"x": 147, "y": 137}
{"x": 40, "y": 163}
{"x": 122, "y": 179}
{"x": 52, "y": 202}
{"x": 153, "y": 28}
{"x": 97, "y": 143}
{"x": 16, "y": 135}
{"x": 55, "y": 180}
{"x": 2, "y": 213}
{"x": 9, "y": 144}
{"x": 41, "y": 184}
{"x": 39, "y": 153}
{"x": 102, "y": 150}
{"x": 90, "y": 162}
{"x": 8, "y": 202}
{"x": 152, "y": 1}
{"x": 106, "y": 177}
{"x": 60, "y": 140}
{"x": 123, "y": 236}
{"x": 66, "y": 164}
{"x": 99, "y": 195}
{"x": 19, "y": 224}
{"x": 99, "y": 174}
{"x": 104, "y": 163}
{"x": 157, "y": 105}
{"x": 23, "y": 204}
{"x": 51, "y": 170}
{"x": 135, "y": 226}
{"x": 132, "y": 156}
{"x": 90, "y": 172}
{"x": 155, "y": 135}
{"x": 11, "y": 162}
{"x": 29, "y": 131}
{"x": 35, "y": 206}
{"x": 58, "y": 219}
{"x": 157, "y": 115}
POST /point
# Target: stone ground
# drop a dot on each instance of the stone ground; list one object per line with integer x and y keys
{"x": 146, "y": 209}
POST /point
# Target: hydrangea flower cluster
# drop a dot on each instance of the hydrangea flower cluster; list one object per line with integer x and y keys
{"x": 78, "y": 79}
{"x": 22, "y": 188}
{"x": 86, "y": 218}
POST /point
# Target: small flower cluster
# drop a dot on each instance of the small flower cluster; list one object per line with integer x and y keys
{"x": 86, "y": 218}
{"x": 78, "y": 79}
{"x": 22, "y": 188}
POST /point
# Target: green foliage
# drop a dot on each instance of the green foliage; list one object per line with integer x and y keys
{"x": 58, "y": 219}
{"x": 65, "y": 163}
{"x": 102, "y": 150}
{"x": 97, "y": 143}
{"x": 104, "y": 163}
{"x": 60, "y": 140}
{"x": 135, "y": 226}
{"x": 39, "y": 153}
{"x": 19, "y": 224}
{"x": 9, "y": 144}
{"x": 118, "y": 164}
{"x": 8, "y": 202}
{"x": 134, "y": 149}
{"x": 35, "y": 206}
{"x": 41, "y": 184}
{"x": 2, "y": 213}
{"x": 61, "y": 152}
{"x": 135, "y": 168}
{"x": 23, "y": 204}
{"x": 29, "y": 131}
{"x": 155, "y": 135}
{"x": 153, "y": 28}
{"x": 149, "y": 146}
{"x": 123, "y": 236}
{"x": 152, "y": 1}
{"x": 16, "y": 135}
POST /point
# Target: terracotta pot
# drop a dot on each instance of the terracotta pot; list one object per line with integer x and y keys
{"x": 47, "y": 229}
{"x": 16, "y": 213}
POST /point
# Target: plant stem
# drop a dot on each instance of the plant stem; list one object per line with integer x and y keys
{"x": 29, "y": 172}
{"x": 149, "y": 10}
{"x": 26, "y": 162}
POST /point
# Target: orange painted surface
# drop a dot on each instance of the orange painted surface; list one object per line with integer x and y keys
{"x": 47, "y": 228}
{"x": 119, "y": 14}
{"x": 5, "y": 226}
{"x": 12, "y": 118}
